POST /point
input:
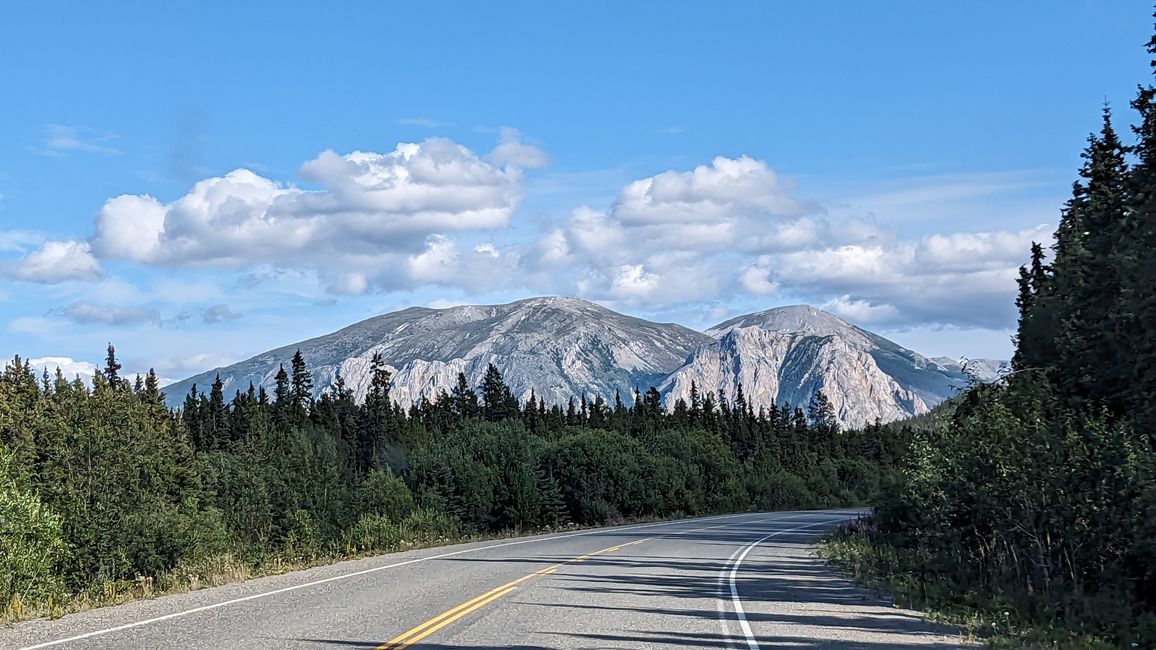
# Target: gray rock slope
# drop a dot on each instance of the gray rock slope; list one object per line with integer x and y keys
{"x": 557, "y": 347}
{"x": 565, "y": 347}
{"x": 787, "y": 354}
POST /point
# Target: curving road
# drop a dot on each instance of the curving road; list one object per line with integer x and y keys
{"x": 744, "y": 581}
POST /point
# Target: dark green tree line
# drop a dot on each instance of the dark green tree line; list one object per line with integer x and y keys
{"x": 113, "y": 485}
{"x": 1038, "y": 494}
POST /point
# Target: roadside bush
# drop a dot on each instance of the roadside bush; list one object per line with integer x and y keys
{"x": 31, "y": 544}
{"x": 373, "y": 533}
{"x": 771, "y": 488}
{"x": 426, "y": 527}
{"x": 383, "y": 493}
{"x": 303, "y": 540}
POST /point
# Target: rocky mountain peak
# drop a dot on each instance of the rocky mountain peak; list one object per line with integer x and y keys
{"x": 558, "y": 347}
{"x": 792, "y": 319}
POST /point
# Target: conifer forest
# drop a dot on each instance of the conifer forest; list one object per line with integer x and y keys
{"x": 1035, "y": 497}
{"x": 105, "y": 487}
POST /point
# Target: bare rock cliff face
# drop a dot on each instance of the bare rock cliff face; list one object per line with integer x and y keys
{"x": 782, "y": 368}
{"x": 787, "y": 354}
{"x": 559, "y": 348}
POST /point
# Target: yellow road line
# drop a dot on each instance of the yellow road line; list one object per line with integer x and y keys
{"x": 446, "y": 621}
{"x": 416, "y": 634}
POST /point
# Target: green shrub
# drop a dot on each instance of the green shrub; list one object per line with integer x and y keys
{"x": 777, "y": 489}
{"x": 303, "y": 541}
{"x": 31, "y": 544}
{"x": 383, "y": 493}
{"x": 373, "y": 533}
{"x": 427, "y": 527}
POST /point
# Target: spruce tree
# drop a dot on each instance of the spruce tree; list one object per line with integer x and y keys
{"x": 1138, "y": 291}
{"x": 152, "y": 389}
{"x": 216, "y": 417}
{"x": 191, "y": 417}
{"x": 112, "y": 369}
{"x": 281, "y": 386}
{"x": 464, "y": 399}
{"x": 1087, "y": 291}
{"x": 498, "y": 402}
{"x": 1035, "y": 341}
{"x": 301, "y": 387}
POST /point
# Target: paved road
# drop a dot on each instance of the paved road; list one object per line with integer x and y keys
{"x": 742, "y": 581}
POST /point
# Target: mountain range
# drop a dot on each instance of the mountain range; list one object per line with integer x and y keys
{"x": 557, "y": 348}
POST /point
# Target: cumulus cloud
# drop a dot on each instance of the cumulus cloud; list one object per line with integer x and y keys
{"x": 861, "y": 311}
{"x": 189, "y": 364}
{"x": 374, "y": 214}
{"x": 443, "y": 262}
{"x": 756, "y": 278}
{"x": 726, "y": 190}
{"x": 70, "y": 368}
{"x": 83, "y": 312}
{"x": 437, "y": 214}
{"x": 58, "y": 261}
{"x": 676, "y": 236}
{"x": 962, "y": 278}
{"x": 736, "y": 227}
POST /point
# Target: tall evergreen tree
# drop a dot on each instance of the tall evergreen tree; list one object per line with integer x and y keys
{"x": 498, "y": 403}
{"x": 301, "y": 386}
{"x": 152, "y": 390}
{"x": 1086, "y": 295}
{"x": 112, "y": 369}
{"x": 464, "y": 399}
{"x": 1138, "y": 292}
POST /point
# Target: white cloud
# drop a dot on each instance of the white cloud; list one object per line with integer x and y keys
{"x": 190, "y": 364}
{"x": 698, "y": 235}
{"x": 966, "y": 251}
{"x": 130, "y": 227}
{"x": 436, "y": 214}
{"x": 861, "y": 311}
{"x": 487, "y": 248}
{"x": 675, "y": 236}
{"x": 70, "y": 368}
{"x": 59, "y": 140}
{"x": 58, "y": 261}
{"x": 756, "y": 279}
{"x": 727, "y": 189}
{"x": 962, "y": 278}
{"x": 483, "y": 268}
{"x": 515, "y": 153}
{"x": 372, "y": 218}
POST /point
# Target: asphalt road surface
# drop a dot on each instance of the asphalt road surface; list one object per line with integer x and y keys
{"x": 742, "y": 581}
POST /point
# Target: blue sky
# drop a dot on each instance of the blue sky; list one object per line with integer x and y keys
{"x": 683, "y": 162}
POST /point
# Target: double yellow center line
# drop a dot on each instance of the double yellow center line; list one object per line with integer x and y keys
{"x": 416, "y": 634}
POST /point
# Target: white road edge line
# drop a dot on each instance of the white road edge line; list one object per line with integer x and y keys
{"x": 344, "y": 576}
{"x": 723, "y": 618}
{"x": 737, "y": 602}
